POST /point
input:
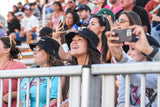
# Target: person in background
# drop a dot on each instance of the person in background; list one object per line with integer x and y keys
{"x": 20, "y": 16}
{"x": 45, "y": 54}
{"x": 13, "y": 23}
{"x": 107, "y": 13}
{"x": 129, "y": 5}
{"x": 100, "y": 5}
{"x": 141, "y": 3}
{"x": 91, "y": 5}
{"x": 71, "y": 5}
{"x": 20, "y": 6}
{"x": 29, "y": 27}
{"x": 15, "y": 9}
{"x": 84, "y": 13}
{"x": 115, "y": 6}
{"x": 2, "y": 31}
{"x": 54, "y": 18}
{"x": 99, "y": 25}
{"x": 46, "y": 31}
{"x": 35, "y": 10}
{"x": 9, "y": 52}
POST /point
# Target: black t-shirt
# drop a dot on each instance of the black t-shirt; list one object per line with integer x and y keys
{"x": 13, "y": 25}
{"x": 141, "y": 3}
{"x": 143, "y": 15}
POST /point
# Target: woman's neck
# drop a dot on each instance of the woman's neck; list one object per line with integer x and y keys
{"x": 44, "y": 65}
{"x": 100, "y": 6}
{"x": 83, "y": 59}
{"x": 99, "y": 46}
{"x": 3, "y": 61}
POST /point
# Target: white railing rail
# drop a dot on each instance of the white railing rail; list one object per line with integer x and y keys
{"x": 85, "y": 82}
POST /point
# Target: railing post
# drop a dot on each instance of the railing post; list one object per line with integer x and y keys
{"x": 143, "y": 89}
{"x": 108, "y": 90}
{"x": 74, "y": 91}
{"x": 158, "y": 95}
{"x": 91, "y": 88}
{"x": 127, "y": 90}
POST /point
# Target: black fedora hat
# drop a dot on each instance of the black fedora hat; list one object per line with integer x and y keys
{"x": 48, "y": 44}
{"x": 86, "y": 33}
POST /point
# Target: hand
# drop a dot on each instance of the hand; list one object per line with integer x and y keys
{"x": 21, "y": 34}
{"x": 142, "y": 43}
{"x": 5, "y": 98}
{"x": 115, "y": 48}
{"x": 155, "y": 17}
{"x": 59, "y": 29}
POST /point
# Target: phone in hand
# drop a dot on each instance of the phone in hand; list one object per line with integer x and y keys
{"x": 61, "y": 18}
{"x": 125, "y": 35}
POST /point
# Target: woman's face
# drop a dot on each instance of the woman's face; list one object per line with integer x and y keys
{"x": 136, "y": 55}
{"x": 40, "y": 57}
{"x": 10, "y": 16}
{"x": 95, "y": 26}
{"x": 69, "y": 19}
{"x": 56, "y": 7}
{"x": 78, "y": 46}
{"x": 123, "y": 22}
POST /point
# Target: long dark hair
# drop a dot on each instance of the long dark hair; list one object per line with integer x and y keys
{"x": 53, "y": 61}
{"x": 103, "y": 22}
{"x": 8, "y": 43}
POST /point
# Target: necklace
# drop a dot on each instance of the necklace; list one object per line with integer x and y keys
{"x": 6, "y": 65}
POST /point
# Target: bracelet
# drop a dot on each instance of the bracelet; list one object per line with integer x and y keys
{"x": 153, "y": 53}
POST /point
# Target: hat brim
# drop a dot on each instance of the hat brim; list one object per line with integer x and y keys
{"x": 33, "y": 45}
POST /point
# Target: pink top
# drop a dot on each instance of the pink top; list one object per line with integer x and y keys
{"x": 16, "y": 65}
{"x": 55, "y": 20}
{"x": 97, "y": 9}
{"x": 117, "y": 9}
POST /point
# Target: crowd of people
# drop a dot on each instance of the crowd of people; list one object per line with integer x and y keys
{"x": 82, "y": 32}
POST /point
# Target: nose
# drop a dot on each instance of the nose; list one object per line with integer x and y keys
{"x": 129, "y": 52}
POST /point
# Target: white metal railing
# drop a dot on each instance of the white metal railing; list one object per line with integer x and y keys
{"x": 85, "y": 82}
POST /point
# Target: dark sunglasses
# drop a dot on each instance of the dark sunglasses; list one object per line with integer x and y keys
{"x": 70, "y": 2}
{"x": 121, "y": 21}
{"x": 37, "y": 49}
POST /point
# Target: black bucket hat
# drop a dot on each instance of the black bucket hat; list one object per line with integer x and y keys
{"x": 86, "y": 33}
{"x": 48, "y": 44}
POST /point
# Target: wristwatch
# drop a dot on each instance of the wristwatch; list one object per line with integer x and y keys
{"x": 153, "y": 53}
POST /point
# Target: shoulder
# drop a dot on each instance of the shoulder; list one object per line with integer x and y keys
{"x": 18, "y": 65}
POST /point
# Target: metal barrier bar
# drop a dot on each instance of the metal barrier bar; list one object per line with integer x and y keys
{"x": 143, "y": 90}
{"x": 59, "y": 92}
{"x": 48, "y": 91}
{"x": 1, "y": 93}
{"x": 39, "y": 72}
{"x": 18, "y": 92}
{"x": 10, "y": 93}
{"x": 38, "y": 89}
{"x": 158, "y": 88}
{"x": 127, "y": 90}
{"x": 75, "y": 91}
{"x": 106, "y": 69}
{"x": 28, "y": 93}
{"x": 108, "y": 90}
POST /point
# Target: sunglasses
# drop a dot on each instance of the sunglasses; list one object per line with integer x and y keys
{"x": 70, "y": 2}
{"x": 121, "y": 21}
{"x": 38, "y": 49}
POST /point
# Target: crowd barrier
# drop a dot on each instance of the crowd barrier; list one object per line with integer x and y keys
{"x": 86, "y": 87}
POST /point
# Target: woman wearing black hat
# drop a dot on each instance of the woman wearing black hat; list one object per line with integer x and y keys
{"x": 45, "y": 54}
